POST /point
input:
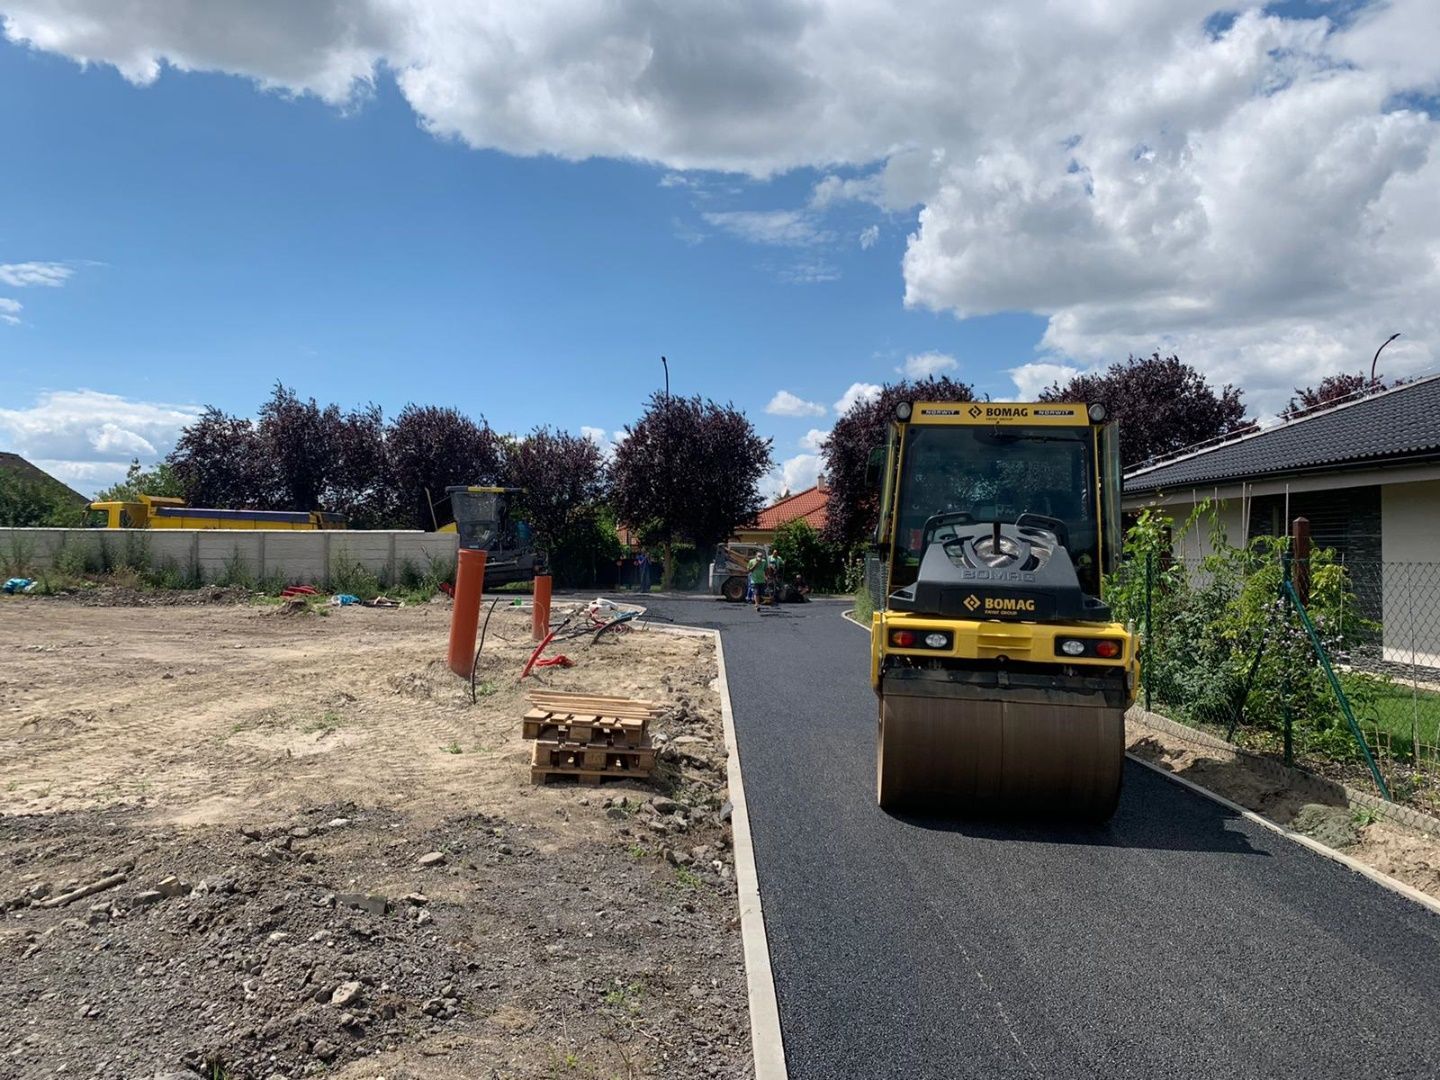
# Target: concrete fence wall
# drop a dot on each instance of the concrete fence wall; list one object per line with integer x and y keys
{"x": 300, "y": 557}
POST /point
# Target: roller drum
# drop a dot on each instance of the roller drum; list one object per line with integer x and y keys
{"x": 992, "y": 755}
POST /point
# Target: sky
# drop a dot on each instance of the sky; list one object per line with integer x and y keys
{"x": 518, "y": 208}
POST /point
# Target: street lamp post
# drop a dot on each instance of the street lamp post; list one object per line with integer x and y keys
{"x": 665, "y": 575}
{"x": 1378, "y": 351}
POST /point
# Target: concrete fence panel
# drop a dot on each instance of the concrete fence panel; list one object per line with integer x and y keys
{"x": 300, "y": 557}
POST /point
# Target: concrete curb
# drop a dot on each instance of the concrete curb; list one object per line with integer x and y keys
{"x": 1383, "y": 880}
{"x": 766, "y": 1042}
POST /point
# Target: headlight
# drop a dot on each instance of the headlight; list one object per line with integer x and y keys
{"x": 1071, "y": 647}
{"x": 902, "y": 411}
{"x": 937, "y": 641}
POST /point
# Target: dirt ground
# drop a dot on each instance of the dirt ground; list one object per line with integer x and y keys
{"x": 1321, "y": 811}
{"x": 324, "y": 859}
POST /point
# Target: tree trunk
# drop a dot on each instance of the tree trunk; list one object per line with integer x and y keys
{"x": 667, "y": 573}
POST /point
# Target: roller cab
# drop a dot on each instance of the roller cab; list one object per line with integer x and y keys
{"x": 1002, "y": 679}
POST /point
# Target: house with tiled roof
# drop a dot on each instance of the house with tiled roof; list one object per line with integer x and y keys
{"x": 1364, "y": 472}
{"x": 808, "y": 506}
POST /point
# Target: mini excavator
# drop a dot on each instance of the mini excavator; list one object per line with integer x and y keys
{"x": 1002, "y": 678}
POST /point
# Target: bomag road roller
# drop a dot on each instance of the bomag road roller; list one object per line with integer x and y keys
{"x": 1001, "y": 676}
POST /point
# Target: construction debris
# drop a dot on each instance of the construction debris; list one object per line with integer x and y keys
{"x": 590, "y": 737}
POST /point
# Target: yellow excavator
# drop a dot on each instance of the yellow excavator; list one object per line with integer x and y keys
{"x": 1002, "y": 678}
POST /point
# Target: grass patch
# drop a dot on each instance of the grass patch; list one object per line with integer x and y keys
{"x": 453, "y": 747}
{"x": 864, "y": 605}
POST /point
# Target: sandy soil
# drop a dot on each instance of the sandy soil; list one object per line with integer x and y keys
{"x": 282, "y": 765}
{"x": 1320, "y": 811}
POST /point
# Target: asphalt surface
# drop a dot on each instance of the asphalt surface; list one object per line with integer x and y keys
{"x": 1178, "y": 941}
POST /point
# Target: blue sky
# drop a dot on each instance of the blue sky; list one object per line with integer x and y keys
{"x": 222, "y": 238}
{"x": 518, "y": 211}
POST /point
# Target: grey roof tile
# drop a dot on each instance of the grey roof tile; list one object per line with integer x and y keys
{"x": 1398, "y": 423}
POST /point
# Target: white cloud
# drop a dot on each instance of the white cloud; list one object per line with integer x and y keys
{"x": 784, "y": 403}
{"x": 809, "y": 272}
{"x": 781, "y": 228}
{"x": 1260, "y": 200}
{"x": 1030, "y": 379}
{"x": 10, "y": 311}
{"x": 619, "y": 436}
{"x": 924, "y": 365}
{"x": 20, "y": 275}
{"x": 868, "y": 236}
{"x": 857, "y": 393}
{"x": 812, "y": 439}
{"x": 594, "y": 434}
{"x": 792, "y": 475}
{"x": 89, "y": 436}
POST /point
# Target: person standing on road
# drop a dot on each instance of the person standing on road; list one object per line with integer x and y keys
{"x": 642, "y": 570}
{"x": 756, "y": 566}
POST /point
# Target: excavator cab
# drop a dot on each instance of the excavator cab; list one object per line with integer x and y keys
{"x": 483, "y": 518}
{"x": 1001, "y": 677}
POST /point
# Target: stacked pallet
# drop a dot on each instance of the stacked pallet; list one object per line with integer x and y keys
{"x": 589, "y": 736}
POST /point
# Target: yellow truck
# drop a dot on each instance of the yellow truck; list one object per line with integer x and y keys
{"x": 160, "y": 512}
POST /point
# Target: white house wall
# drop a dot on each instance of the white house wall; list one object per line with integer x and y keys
{"x": 1410, "y": 551}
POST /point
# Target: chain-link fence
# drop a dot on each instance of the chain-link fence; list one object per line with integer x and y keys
{"x": 1349, "y": 677}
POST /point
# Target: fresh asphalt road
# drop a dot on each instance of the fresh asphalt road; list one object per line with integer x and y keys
{"x": 1178, "y": 941}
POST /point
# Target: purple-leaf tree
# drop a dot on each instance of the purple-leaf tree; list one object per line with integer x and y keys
{"x": 564, "y": 480}
{"x": 299, "y": 440}
{"x": 854, "y": 505}
{"x": 218, "y": 461}
{"x": 690, "y": 470}
{"x": 360, "y": 484}
{"x": 1163, "y": 405}
{"x": 431, "y": 447}
{"x": 1332, "y": 389}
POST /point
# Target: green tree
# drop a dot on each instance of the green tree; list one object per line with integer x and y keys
{"x": 819, "y": 562}
{"x": 24, "y": 504}
{"x": 159, "y": 480}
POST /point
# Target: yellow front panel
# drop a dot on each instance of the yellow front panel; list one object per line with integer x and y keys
{"x": 989, "y": 413}
{"x": 988, "y": 640}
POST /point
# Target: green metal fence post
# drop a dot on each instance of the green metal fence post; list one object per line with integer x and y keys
{"x": 1287, "y": 591}
{"x": 1149, "y": 641}
{"x": 1336, "y": 687}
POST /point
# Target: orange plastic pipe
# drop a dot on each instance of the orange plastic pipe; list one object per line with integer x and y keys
{"x": 465, "y": 617}
{"x": 540, "y": 616}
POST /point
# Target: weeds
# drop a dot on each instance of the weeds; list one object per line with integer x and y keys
{"x": 687, "y": 878}
{"x": 236, "y": 572}
{"x": 453, "y": 747}
{"x": 327, "y": 723}
{"x": 351, "y": 576}
{"x": 19, "y": 558}
{"x": 625, "y": 996}
{"x": 1364, "y": 816}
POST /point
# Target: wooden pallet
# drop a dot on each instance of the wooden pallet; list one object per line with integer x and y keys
{"x": 551, "y": 760}
{"x": 550, "y": 754}
{"x": 594, "y": 705}
{"x": 583, "y": 728}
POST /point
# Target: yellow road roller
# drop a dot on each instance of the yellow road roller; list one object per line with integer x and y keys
{"x": 1002, "y": 678}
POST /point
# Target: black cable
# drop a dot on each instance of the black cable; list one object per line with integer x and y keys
{"x": 475, "y": 664}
